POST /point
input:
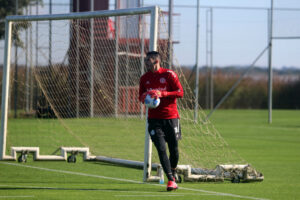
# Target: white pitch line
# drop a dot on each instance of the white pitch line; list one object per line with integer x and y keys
{"x": 107, "y": 190}
{"x": 167, "y": 195}
{"x": 133, "y": 181}
{"x": 102, "y": 190}
{"x": 223, "y": 194}
{"x": 6, "y": 197}
{"x": 161, "y": 195}
{"x": 150, "y": 195}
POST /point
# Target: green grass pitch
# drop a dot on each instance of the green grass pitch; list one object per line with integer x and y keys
{"x": 273, "y": 149}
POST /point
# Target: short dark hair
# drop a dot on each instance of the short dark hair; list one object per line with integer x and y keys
{"x": 152, "y": 53}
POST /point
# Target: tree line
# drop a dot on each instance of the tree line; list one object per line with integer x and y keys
{"x": 251, "y": 93}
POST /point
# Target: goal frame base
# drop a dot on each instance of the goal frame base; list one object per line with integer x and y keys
{"x": 233, "y": 173}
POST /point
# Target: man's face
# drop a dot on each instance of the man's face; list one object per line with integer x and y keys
{"x": 151, "y": 63}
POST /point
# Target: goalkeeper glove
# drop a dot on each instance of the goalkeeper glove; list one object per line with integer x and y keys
{"x": 158, "y": 94}
{"x": 154, "y": 94}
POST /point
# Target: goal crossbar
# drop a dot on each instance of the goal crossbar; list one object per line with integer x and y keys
{"x": 82, "y": 15}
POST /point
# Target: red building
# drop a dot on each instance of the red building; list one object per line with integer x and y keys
{"x": 104, "y": 63}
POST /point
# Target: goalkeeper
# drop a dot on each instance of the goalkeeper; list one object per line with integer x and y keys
{"x": 163, "y": 121}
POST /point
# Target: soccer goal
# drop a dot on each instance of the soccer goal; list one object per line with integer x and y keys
{"x": 70, "y": 86}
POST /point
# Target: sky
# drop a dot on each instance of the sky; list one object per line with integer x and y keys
{"x": 238, "y": 36}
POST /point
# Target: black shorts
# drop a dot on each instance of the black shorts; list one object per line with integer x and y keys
{"x": 168, "y": 128}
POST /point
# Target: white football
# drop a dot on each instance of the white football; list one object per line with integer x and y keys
{"x": 151, "y": 102}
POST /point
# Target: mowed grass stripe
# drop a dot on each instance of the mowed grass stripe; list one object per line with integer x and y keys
{"x": 129, "y": 181}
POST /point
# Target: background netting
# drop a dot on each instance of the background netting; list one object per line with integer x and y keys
{"x": 77, "y": 85}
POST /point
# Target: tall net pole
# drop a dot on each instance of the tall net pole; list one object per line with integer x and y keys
{"x": 142, "y": 52}
{"x": 211, "y": 62}
{"x": 116, "y": 60}
{"x": 16, "y": 70}
{"x": 170, "y": 55}
{"x": 148, "y": 143}
{"x": 92, "y": 63}
{"x": 197, "y": 63}
{"x": 270, "y": 75}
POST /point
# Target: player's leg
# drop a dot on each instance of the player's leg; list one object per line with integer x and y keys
{"x": 173, "y": 134}
{"x": 160, "y": 144}
{"x": 158, "y": 138}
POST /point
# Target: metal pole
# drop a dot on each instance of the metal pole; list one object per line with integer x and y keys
{"x": 50, "y": 40}
{"x": 30, "y": 86}
{"x": 127, "y": 65}
{"x": 270, "y": 75}
{"x": 27, "y": 68}
{"x": 142, "y": 51}
{"x": 211, "y": 62}
{"x": 147, "y": 152}
{"x": 153, "y": 29}
{"x": 197, "y": 63}
{"x": 50, "y": 35}
{"x": 207, "y": 64}
{"x": 92, "y": 63}
{"x": 70, "y": 75}
{"x": 16, "y": 70}
{"x": 148, "y": 143}
{"x": 34, "y": 96}
{"x": 5, "y": 88}
{"x": 116, "y": 60}
{"x": 77, "y": 61}
{"x": 170, "y": 55}
{"x": 85, "y": 15}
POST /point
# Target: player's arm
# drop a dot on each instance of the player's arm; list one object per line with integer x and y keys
{"x": 175, "y": 85}
{"x": 177, "y": 91}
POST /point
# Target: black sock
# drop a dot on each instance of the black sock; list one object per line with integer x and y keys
{"x": 173, "y": 171}
{"x": 170, "y": 177}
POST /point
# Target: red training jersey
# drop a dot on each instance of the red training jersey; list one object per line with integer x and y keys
{"x": 164, "y": 80}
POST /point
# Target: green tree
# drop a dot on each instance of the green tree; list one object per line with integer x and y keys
{"x": 8, "y": 7}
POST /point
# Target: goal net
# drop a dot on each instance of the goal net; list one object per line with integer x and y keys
{"x": 70, "y": 84}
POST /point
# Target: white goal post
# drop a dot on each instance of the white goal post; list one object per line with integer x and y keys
{"x": 153, "y": 11}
